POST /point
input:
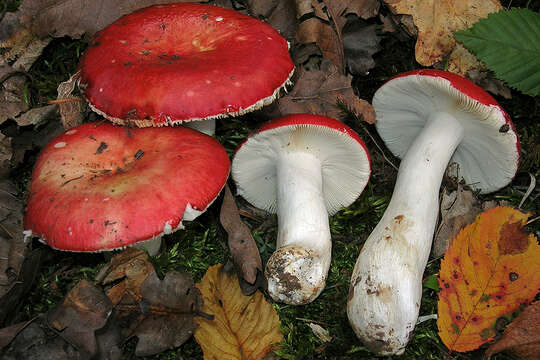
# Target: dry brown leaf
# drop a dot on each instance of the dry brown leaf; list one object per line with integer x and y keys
{"x": 164, "y": 316}
{"x": 315, "y": 31}
{"x": 12, "y": 100}
{"x": 458, "y": 208}
{"x": 521, "y": 336}
{"x": 12, "y": 247}
{"x": 244, "y": 250}
{"x": 132, "y": 266}
{"x": 437, "y": 21}
{"x": 71, "y": 107}
{"x": 360, "y": 42}
{"x": 244, "y": 327}
{"x": 6, "y": 154}
{"x": 319, "y": 92}
{"x": 84, "y": 310}
{"x": 74, "y": 18}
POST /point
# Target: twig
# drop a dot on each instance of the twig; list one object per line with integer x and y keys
{"x": 313, "y": 321}
{"x": 377, "y": 145}
{"x": 532, "y": 185}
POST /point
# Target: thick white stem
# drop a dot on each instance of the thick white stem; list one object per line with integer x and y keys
{"x": 207, "y": 127}
{"x": 151, "y": 246}
{"x": 386, "y": 285}
{"x": 297, "y": 270}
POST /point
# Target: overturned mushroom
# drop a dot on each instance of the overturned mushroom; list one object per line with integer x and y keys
{"x": 183, "y": 63}
{"x": 304, "y": 167}
{"x": 430, "y": 118}
{"x": 102, "y": 187}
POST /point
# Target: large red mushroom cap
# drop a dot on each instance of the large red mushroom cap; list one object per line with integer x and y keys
{"x": 101, "y": 187}
{"x": 167, "y": 64}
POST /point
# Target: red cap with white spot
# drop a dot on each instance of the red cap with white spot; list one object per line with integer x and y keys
{"x": 172, "y": 63}
{"x": 101, "y": 187}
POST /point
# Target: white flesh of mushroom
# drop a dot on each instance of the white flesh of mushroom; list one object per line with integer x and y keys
{"x": 296, "y": 271}
{"x": 207, "y": 127}
{"x": 386, "y": 285}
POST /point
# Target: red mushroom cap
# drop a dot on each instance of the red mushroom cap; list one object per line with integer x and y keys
{"x": 166, "y": 64}
{"x": 100, "y": 187}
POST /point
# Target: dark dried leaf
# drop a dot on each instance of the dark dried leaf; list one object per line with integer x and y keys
{"x": 37, "y": 342}
{"x": 37, "y": 116}
{"x": 458, "y": 208}
{"x": 9, "y": 333}
{"x": 163, "y": 319}
{"x": 74, "y": 18}
{"x": 71, "y": 107}
{"x": 360, "y": 42}
{"x": 84, "y": 310}
{"x": 12, "y": 247}
{"x": 127, "y": 271}
{"x": 244, "y": 251}
{"x": 522, "y": 336}
{"x": 319, "y": 92}
{"x": 12, "y": 101}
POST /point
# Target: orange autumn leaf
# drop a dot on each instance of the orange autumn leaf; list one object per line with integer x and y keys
{"x": 490, "y": 270}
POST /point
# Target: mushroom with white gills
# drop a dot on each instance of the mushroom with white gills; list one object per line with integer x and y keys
{"x": 183, "y": 63}
{"x": 429, "y": 118}
{"x": 100, "y": 187}
{"x": 304, "y": 167}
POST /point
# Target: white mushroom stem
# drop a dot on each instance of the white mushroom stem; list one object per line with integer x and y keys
{"x": 297, "y": 270}
{"x": 151, "y": 246}
{"x": 386, "y": 285}
{"x": 207, "y": 126}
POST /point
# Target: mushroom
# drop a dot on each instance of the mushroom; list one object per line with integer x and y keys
{"x": 304, "y": 167}
{"x": 101, "y": 187}
{"x": 429, "y": 118}
{"x": 183, "y": 62}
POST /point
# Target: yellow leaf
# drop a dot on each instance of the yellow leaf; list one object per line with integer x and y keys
{"x": 490, "y": 270}
{"x": 244, "y": 327}
{"x": 437, "y": 21}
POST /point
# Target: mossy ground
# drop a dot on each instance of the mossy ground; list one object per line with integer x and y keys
{"x": 203, "y": 243}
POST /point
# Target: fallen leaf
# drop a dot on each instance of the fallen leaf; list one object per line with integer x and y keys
{"x": 244, "y": 327}
{"x": 84, "y": 310}
{"x": 360, "y": 42}
{"x": 71, "y": 107}
{"x": 37, "y": 116}
{"x": 21, "y": 279}
{"x": 37, "y": 342}
{"x": 7, "y": 334}
{"x": 487, "y": 81}
{"x": 320, "y": 332}
{"x": 12, "y": 246}
{"x": 490, "y": 270}
{"x": 436, "y": 22}
{"x": 164, "y": 317}
{"x": 126, "y": 272}
{"x": 320, "y": 91}
{"x": 458, "y": 208}
{"x": 521, "y": 336}
{"x": 314, "y": 30}
{"x": 75, "y": 18}
{"x": 6, "y": 154}
{"x": 12, "y": 98}
{"x": 244, "y": 250}
{"x": 159, "y": 312}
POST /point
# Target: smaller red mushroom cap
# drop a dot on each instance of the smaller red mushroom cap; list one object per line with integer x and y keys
{"x": 101, "y": 187}
{"x": 178, "y": 62}
{"x": 487, "y": 157}
{"x": 343, "y": 155}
